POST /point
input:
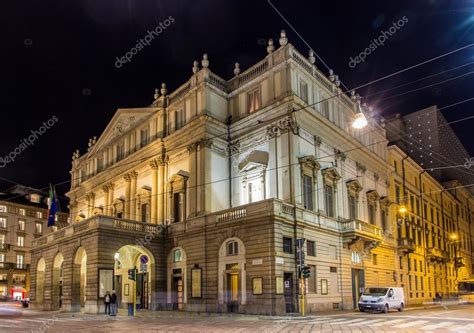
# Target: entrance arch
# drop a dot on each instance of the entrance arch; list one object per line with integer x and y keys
{"x": 176, "y": 279}
{"x": 79, "y": 279}
{"x": 57, "y": 285}
{"x": 129, "y": 257}
{"x": 40, "y": 272}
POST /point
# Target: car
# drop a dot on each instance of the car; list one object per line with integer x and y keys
{"x": 382, "y": 299}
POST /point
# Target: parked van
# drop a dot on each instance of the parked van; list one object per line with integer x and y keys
{"x": 382, "y": 299}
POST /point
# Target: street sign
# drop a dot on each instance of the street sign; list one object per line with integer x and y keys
{"x": 144, "y": 259}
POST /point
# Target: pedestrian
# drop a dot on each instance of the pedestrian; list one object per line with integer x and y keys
{"x": 107, "y": 300}
{"x": 139, "y": 301}
{"x": 113, "y": 303}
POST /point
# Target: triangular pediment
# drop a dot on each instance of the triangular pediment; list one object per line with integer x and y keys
{"x": 123, "y": 121}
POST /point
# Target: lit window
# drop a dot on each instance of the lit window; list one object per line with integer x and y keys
{"x": 20, "y": 260}
{"x": 21, "y": 241}
{"x": 35, "y": 198}
{"x": 3, "y": 209}
{"x": 21, "y": 225}
{"x": 177, "y": 256}
{"x": 254, "y": 100}
{"x": 22, "y": 211}
{"x": 39, "y": 215}
{"x": 254, "y": 191}
{"x": 3, "y": 222}
{"x": 232, "y": 248}
{"x": 55, "y": 228}
{"x": 39, "y": 228}
{"x": 356, "y": 258}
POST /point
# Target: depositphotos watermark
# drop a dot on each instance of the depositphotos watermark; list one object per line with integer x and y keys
{"x": 29, "y": 141}
{"x": 379, "y": 41}
{"x": 45, "y": 325}
{"x": 145, "y": 41}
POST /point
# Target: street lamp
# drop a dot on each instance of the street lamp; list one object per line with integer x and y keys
{"x": 116, "y": 256}
{"x": 402, "y": 209}
{"x": 359, "y": 118}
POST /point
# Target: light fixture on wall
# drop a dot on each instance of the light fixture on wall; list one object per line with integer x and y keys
{"x": 359, "y": 118}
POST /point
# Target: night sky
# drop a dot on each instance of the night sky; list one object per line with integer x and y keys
{"x": 58, "y": 59}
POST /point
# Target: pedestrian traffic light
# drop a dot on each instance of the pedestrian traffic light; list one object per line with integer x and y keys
{"x": 131, "y": 274}
{"x": 305, "y": 272}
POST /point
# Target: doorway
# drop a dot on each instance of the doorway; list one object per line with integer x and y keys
{"x": 177, "y": 293}
{"x": 288, "y": 289}
{"x": 232, "y": 292}
{"x": 358, "y": 285}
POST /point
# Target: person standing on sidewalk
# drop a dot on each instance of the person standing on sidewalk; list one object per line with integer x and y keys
{"x": 113, "y": 303}
{"x": 107, "y": 300}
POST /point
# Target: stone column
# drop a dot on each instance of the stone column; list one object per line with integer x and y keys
{"x": 192, "y": 193}
{"x": 105, "y": 189}
{"x": 128, "y": 181}
{"x": 133, "y": 194}
{"x": 111, "y": 198}
{"x": 161, "y": 193}
{"x": 154, "y": 164}
{"x": 201, "y": 179}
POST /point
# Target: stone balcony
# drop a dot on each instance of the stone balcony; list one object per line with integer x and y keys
{"x": 357, "y": 230}
{"x": 99, "y": 222}
{"x": 437, "y": 255}
{"x": 406, "y": 245}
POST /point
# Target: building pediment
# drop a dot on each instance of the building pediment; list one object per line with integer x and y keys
{"x": 354, "y": 186}
{"x": 255, "y": 159}
{"x": 373, "y": 195}
{"x": 123, "y": 121}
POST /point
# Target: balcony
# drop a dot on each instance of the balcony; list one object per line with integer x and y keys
{"x": 459, "y": 262}
{"x": 360, "y": 231}
{"x": 406, "y": 245}
{"x": 437, "y": 255}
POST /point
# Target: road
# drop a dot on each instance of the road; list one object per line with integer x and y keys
{"x": 458, "y": 319}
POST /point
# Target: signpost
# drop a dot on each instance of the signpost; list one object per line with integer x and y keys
{"x": 132, "y": 275}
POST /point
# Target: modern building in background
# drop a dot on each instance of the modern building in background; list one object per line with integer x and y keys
{"x": 209, "y": 190}
{"x": 426, "y": 136}
{"x": 23, "y": 218}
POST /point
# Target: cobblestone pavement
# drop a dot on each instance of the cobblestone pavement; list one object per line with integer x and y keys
{"x": 458, "y": 319}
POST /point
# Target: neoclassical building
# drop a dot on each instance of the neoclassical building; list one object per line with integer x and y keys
{"x": 207, "y": 190}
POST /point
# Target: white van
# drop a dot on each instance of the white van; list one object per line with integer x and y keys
{"x": 382, "y": 299}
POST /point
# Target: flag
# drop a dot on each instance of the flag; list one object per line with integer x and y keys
{"x": 52, "y": 206}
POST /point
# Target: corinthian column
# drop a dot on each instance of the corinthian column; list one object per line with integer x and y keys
{"x": 128, "y": 180}
{"x": 154, "y": 191}
{"x": 111, "y": 199}
{"x": 133, "y": 194}
{"x": 105, "y": 188}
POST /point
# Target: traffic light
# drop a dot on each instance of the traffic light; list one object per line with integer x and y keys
{"x": 305, "y": 272}
{"x": 132, "y": 274}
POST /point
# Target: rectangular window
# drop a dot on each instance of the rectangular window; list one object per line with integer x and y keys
{"x": 371, "y": 209}
{"x": 304, "y": 91}
{"x": 311, "y": 248}
{"x": 254, "y": 100}
{"x": 39, "y": 215}
{"x": 374, "y": 259}
{"x": 383, "y": 218}
{"x": 397, "y": 194}
{"x": 352, "y": 207}
{"x": 332, "y": 252}
{"x": 329, "y": 200}
{"x": 144, "y": 137}
{"x": 3, "y": 222}
{"x": 22, "y": 211}
{"x": 20, "y": 261}
{"x": 3, "y": 209}
{"x": 21, "y": 241}
{"x": 21, "y": 225}
{"x": 308, "y": 192}
{"x": 2, "y": 241}
{"x": 287, "y": 245}
{"x": 177, "y": 207}
{"x": 39, "y": 228}
{"x": 395, "y": 165}
{"x": 250, "y": 192}
{"x": 179, "y": 119}
{"x": 400, "y": 259}
{"x": 325, "y": 107}
{"x": 119, "y": 152}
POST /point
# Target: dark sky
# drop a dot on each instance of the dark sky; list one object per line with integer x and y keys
{"x": 58, "y": 59}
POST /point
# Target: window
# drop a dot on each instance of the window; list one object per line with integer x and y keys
{"x": 304, "y": 91}
{"x": 179, "y": 119}
{"x": 144, "y": 137}
{"x": 35, "y": 198}
{"x": 332, "y": 252}
{"x": 2, "y": 259}
{"x": 22, "y": 211}
{"x": 371, "y": 209}
{"x": 325, "y": 107}
{"x": 3, "y": 222}
{"x": 119, "y": 152}
{"x": 356, "y": 258}
{"x": 144, "y": 212}
{"x": 55, "y": 228}
{"x": 21, "y": 241}
{"x": 39, "y": 215}
{"x": 254, "y": 100}
{"x": 21, "y": 225}
{"x": 287, "y": 245}
{"x": 308, "y": 192}
{"x": 329, "y": 200}
{"x": 232, "y": 248}
{"x": 383, "y": 217}
{"x": 250, "y": 192}
{"x": 395, "y": 165}
{"x": 333, "y": 269}
{"x": 352, "y": 207}
{"x": 374, "y": 259}
{"x": 397, "y": 194}
{"x": 39, "y": 228}
{"x": 409, "y": 264}
{"x": 177, "y": 207}
{"x": 20, "y": 260}
{"x": 2, "y": 241}
{"x": 400, "y": 259}
{"x": 178, "y": 255}
{"x": 3, "y": 209}
{"x": 311, "y": 248}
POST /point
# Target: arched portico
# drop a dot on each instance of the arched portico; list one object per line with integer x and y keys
{"x": 57, "y": 284}
{"x": 79, "y": 279}
{"x": 40, "y": 276}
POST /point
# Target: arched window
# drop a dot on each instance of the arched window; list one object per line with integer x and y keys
{"x": 177, "y": 255}
{"x": 232, "y": 248}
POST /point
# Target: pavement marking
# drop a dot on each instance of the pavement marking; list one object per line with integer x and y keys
{"x": 389, "y": 322}
{"x": 368, "y": 322}
{"x": 438, "y": 325}
{"x": 412, "y": 323}
{"x": 465, "y": 328}
{"x": 350, "y": 321}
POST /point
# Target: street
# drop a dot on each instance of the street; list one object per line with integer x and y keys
{"x": 452, "y": 319}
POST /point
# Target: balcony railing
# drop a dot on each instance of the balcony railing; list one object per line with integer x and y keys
{"x": 437, "y": 255}
{"x": 357, "y": 229}
{"x": 406, "y": 245}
